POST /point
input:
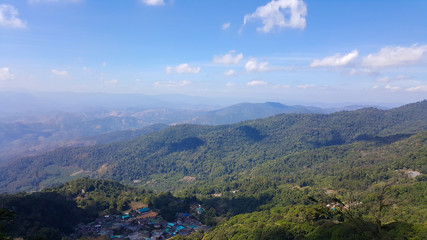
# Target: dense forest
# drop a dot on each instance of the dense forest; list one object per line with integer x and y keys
{"x": 162, "y": 159}
{"x": 347, "y": 175}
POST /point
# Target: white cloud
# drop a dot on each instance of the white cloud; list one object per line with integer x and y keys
{"x": 402, "y": 77}
{"x": 9, "y": 17}
{"x": 137, "y": 80}
{"x": 104, "y": 64}
{"x": 257, "y": 83}
{"x": 305, "y": 86}
{"x": 335, "y": 61}
{"x": 172, "y": 83}
{"x": 282, "y": 86}
{"x": 5, "y": 74}
{"x": 384, "y": 79}
{"x": 228, "y": 58}
{"x": 61, "y": 73}
{"x": 392, "y": 88}
{"x": 229, "y": 84}
{"x": 85, "y": 69}
{"x": 280, "y": 13}
{"x": 153, "y": 2}
{"x": 112, "y": 81}
{"x": 417, "y": 89}
{"x": 253, "y": 66}
{"x": 395, "y": 56}
{"x": 229, "y": 72}
{"x": 182, "y": 68}
{"x": 226, "y": 26}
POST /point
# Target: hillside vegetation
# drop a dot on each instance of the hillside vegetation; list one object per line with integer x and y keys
{"x": 347, "y": 175}
{"x": 160, "y": 160}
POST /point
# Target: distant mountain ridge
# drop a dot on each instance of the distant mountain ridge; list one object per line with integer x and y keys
{"x": 210, "y": 152}
{"x": 36, "y": 134}
{"x": 248, "y": 111}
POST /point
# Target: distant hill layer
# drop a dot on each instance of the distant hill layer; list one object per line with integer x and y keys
{"x": 210, "y": 152}
{"x": 40, "y": 132}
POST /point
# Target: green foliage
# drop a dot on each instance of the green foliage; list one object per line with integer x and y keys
{"x": 264, "y": 179}
{"x": 160, "y": 159}
{"x": 52, "y": 213}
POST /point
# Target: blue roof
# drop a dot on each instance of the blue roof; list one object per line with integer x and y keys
{"x": 125, "y": 216}
{"x": 180, "y": 227}
{"x": 171, "y": 224}
{"x": 146, "y": 209}
{"x": 200, "y": 209}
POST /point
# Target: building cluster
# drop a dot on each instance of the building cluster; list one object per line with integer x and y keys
{"x": 140, "y": 224}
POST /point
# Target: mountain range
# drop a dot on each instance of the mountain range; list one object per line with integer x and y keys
{"x": 209, "y": 152}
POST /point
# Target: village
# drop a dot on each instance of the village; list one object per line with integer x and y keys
{"x": 141, "y": 223}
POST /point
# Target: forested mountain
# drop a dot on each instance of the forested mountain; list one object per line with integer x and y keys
{"x": 347, "y": 175}
{"x": 248, "y": 111}
{"x": 333, "y": 192}
{"x": 35, "y": 132}
{"x": 206, "y": 153}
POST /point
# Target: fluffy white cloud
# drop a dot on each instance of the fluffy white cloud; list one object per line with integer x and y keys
{"x": 226, "y": 26}
{"x": 112, "y": 81}
{"x": 9, "y": 17}
{"x": 229, "y": 84}
{"x": 172, "y": 83}
{"x": 61, "y": 73}
{"x": 229, "y": 58}
{"x": 182, "y": 68}
{"x": 154, "y": 2}
{"x": 229, "y": 72}
{"x": 253, "y": 66}
{"x": 335, "y": 61}
{"x": 417, "y": 89}
{"x": 280, "y": 13}
{"x": 5, "y": 74}
{"x": 257, "y": 83}
{"x": 395, "y": 56}
{"x": 392, "y": 88}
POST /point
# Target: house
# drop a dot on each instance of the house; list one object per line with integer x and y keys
{"x": 200, "y": 210}
{"x": 144, "y": 210}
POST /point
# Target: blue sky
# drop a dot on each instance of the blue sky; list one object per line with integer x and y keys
{"x": 292, "y": 51}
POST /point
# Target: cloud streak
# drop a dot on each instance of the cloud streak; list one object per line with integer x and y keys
{"x": 256, "y": 83}
{"x": 172, "y": 83}
{"x": 182, "y": 68}
{"x": 5, "y": 74}
{"x": 229, "y": 72}
{"x": 61, "y": 73}
{"x": 422, "y": 88}
{"x": 228, "y": 59}
{"x": 395, "y": 56}
{"x": 335, "y": 61}
{"x": 225, "y": 26}
{"x": 153, "y": 2}
{"x": 252, "y": 65}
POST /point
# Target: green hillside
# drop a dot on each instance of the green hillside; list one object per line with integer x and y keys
{"x": 361, "y": 190}
{"x": 161, "y": 160}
